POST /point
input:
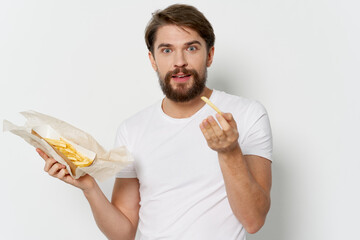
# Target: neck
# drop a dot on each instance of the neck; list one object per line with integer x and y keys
{"x": 185, "y": 109}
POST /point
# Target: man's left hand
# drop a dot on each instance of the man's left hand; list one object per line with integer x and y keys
{"x": 221, "y": 139}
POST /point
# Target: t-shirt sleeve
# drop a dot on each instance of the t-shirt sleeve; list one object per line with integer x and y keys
{"x": 121, "y": 140}
{"x": 258, "y": 137}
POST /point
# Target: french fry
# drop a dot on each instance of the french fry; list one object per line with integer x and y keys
{"x": 56, "y": 143}
{"x": 205, "y": 99}
{"x": 70, "y": 152}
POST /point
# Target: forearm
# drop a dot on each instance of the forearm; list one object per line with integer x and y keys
{"x": 111, "y": 221}
{"x": 248, "y": 200}
{"x": 247, "y": 182}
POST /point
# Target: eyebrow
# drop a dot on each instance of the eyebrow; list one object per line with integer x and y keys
{"x": 186, "y": 44}
{"x": 192, "y": 42}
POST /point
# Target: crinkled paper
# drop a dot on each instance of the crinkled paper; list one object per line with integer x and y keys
{"x": 106, "y": 163}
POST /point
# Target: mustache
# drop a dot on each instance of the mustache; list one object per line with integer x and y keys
{"x": 183, "y": 70}
{"x": 178, "y": 70}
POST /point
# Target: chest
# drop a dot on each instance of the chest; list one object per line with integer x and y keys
{"x": 175, "y": 157}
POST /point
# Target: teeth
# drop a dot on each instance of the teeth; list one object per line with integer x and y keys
{"x": 180, "y": 76}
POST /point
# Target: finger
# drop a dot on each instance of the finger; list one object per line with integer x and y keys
{"x": 227, "y": 122}
{"x": 216, "y": 128}
{"x": 39, "y": 151}
{"x": 225, "y": 125}
{"x": 210, "y": 131}
{"x": 42, "y": 154}
{"x": 230, "y": 119}
{"x": 62, "y": 173}
{"x": 68, "y": 179}
{"x": 205, "y": 133}
{"x": 49, "y": 163}
{"x": 55, "y": 169}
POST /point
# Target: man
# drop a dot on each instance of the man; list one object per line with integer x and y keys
{"x": 193, "y": 177}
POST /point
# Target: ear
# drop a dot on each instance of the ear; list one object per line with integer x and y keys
{"x": 210, "y": 56}
{"x": 152, "y": 60}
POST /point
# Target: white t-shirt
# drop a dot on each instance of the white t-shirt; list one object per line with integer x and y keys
{"x": 181, "y": 185}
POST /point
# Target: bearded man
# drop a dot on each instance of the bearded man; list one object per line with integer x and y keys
{"x": 194, "y": 176}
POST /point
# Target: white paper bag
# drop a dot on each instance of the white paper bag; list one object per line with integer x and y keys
{"x": 105, "y": 164}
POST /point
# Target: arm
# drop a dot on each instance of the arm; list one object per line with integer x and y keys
{"x": 117, "y": 220}
{"x": 247, "y": 178}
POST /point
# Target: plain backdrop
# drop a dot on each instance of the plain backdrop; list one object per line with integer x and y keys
{"x": 86, "y": 63}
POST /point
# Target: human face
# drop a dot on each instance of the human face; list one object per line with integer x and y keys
{"x": 180, "y": 58}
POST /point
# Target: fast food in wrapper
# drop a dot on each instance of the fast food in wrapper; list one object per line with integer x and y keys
{"x": 76, "y": 149}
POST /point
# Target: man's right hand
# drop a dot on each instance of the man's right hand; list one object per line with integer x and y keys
{"x": 124, "y": 209}
{"x": 58, "y": 170}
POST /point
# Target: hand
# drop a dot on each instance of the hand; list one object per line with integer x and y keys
{"x": 224, "y": 139}
{"x": 58, "y": 170}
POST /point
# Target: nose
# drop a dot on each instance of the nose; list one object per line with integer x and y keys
{"x": 180, "y": 60}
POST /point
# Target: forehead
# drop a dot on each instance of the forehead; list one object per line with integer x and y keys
{"x": 176, "y": 35}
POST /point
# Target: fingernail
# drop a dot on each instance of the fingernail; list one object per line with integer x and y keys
{"x": 205, "y": 123}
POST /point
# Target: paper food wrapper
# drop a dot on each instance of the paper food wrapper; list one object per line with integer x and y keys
{"x": 39, "y": 126}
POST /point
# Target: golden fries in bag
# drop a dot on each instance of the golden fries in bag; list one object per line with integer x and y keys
{"x": 68, "y": 145}
{"x": 70, "y": 152}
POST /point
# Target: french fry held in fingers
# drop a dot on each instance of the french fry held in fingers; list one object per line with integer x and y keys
{"x": 70, "y": 152}
{"x": 205, "y": 99}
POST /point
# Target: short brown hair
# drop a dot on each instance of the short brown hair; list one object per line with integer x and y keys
{"x": 181, "y": 15}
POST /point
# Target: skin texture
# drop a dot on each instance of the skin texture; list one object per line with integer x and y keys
{"x": 247, "y": 178}
{"x": 122, "y": 211}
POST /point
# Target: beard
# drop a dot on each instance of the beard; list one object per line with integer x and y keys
{"x": 182, "y": 93}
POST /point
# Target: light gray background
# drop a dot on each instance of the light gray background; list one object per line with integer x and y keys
{"x": 86, "y": 62}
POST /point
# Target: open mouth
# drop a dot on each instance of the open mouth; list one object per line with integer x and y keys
{"x": 181, "y": 77}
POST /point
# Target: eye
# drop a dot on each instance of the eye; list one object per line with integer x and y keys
{"x": 166, "y": 50}
{"x": 192, "y": 48}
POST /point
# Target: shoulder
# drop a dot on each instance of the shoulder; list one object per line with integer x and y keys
{"x": 253, "y": 124}
{"x": 138, "y": 121}
{"x": 238, "y": 104}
